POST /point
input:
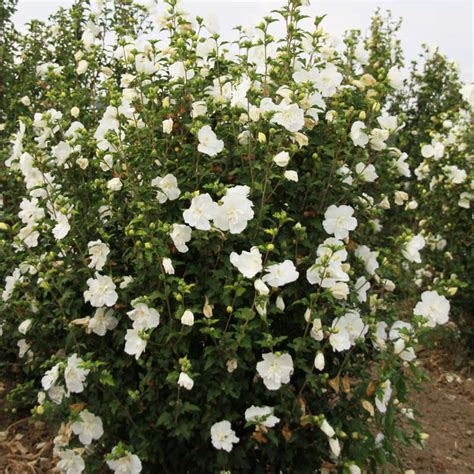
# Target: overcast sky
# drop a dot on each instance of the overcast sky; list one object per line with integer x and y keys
{"x": 444, "y": 23}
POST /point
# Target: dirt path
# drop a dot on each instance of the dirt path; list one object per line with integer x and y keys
{"x": 447, "y": 409}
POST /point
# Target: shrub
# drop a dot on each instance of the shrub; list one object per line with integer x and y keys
{"x": 199, "y": 272}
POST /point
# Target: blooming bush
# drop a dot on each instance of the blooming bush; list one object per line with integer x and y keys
{"x": 198, "y": 275}
{"x": 438, "y": 141}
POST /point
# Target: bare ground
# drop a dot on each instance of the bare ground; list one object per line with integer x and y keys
{"x": 447, "y": 416}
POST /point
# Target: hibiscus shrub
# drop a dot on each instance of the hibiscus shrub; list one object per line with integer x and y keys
{"x": 441, "y": 188}
{"x": 202, "y": 274}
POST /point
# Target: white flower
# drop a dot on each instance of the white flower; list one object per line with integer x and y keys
{"x": 203, "y": 50}
{"x": 203, "y": 209}
{"x": 338, "y": 220}
{"x": 260, "y": 287}
{"x": 185, "y": 381}
{"x": 114, "y": 184}
{"x": 400, "y": 339}
{"x": 50, "y": 377}
{"x": 340, "y": 290}
{"x": 143, "y": 316}
{"x": 126, "y": 280}
{"x": 209, "y": 144}
{"x": 29, "y": 236}
{"x": 199, "y": 109}
{"x": 361, "y": 55}
{"x": 62, "y": 227}
{"x": 368, "y": 257}
{"x": 134, "y": 344}
{"x": 168, "y": 186}
{"x": 327, "y": 429}
{"x": 435, "y": 151}
{"x": 381, "y": 403}
{"x": 317, "y": 328}
{"x": 82, "y": 67}
{"x": 275, "y": 370}
{"x": 280, "y": 274}
{"x": 396, "y": 77}
{"x": 289, "y": 116}
{"x": 235, "y": 211}
{"x": 98, "y": 252}
{"x": 328, "y": 80}
{"x": 83, "y": 163}
{"x": 291, "y": 175}
{"x": 358, "y": 137}
{"x": 168, "y": 266}
{"x": 168, "y": 126}
{"x": 10, "y": 282}
{"x": 177, "y": 71}
{"x": 454, "y": 174}
{"x": 400, "y": 197}
{"x": 402, "y": 165}
{"x": 339, "y": 338}
{"x": 187, "y": 319}
{"x": 354, "y": 325}
{"x": 261, "y": 416}
{"x": 231, "y": 365}
{"x": 319, "y": 361}
{"x": 380, "y": 334}
{"x": 280, "y": 303}
{"x": 346, "y": 330}
{"x": 89, "y": 427}
{"x": 465, "y": 200}
{"x": 388, "y": 122}
{"x": 57, "y": 394}
{"x": 366, "y": 173}
{"x": 144, "y": 66}
{"x": 223, "y": 436}
{"x": 128, "y": 464}
{"x": 282, "y": 159}
{"x": 31, "y": 212}
{"x": 377, "y": 139}
{"x": 261, "y": 307}
{"x": 25, "y": 326}
{"x": 23, "y": 348}
{"x": 328, "y": 268}
{"x": 433, "y": 307}
{"x": 362, "y": 286}
{"x": 248, "y": 263}
{"x": 102, "y": 321}
{"x": 25, "y": 100}
{"x": 388, "y": 284}
{"x": 101, "y": 291}
{"x": 75, "y": 375}
{"x": 61, "y": 152}
{"x": 70, "y": 462}
{"x": 335, "y": 446}
{"x": 411, "y": 250}
{"x": 181, "y": 234}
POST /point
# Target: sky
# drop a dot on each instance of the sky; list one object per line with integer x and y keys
{"x": 447, "y": 24}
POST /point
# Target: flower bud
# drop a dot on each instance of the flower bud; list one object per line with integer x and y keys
{"x": 319, "y": 361}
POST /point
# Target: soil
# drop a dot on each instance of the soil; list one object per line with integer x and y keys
{"x": 25, "y": 444}
{"x": 446, "y": 405}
